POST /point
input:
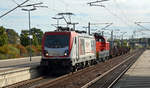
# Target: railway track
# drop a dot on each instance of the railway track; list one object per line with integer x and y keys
{"x": 82, "y": 78}
{"x": 109, "y": 78}
{"x": 29, "y": 83}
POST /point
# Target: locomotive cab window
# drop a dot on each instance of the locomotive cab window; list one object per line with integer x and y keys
{"x": 56, "y": 45}
{"x": 101, "y": 40}
{"x": 57, "y": 41}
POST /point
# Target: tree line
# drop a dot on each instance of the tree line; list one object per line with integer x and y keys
{"x": 13, "y": 45}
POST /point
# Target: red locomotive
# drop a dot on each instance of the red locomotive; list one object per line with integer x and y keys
{"x": 102, "y": 47}
{"x": 69, "y": 51}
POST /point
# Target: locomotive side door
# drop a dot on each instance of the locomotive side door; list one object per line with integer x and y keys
{"x": 77, "y": 48}
{"x": 75, "y": 51}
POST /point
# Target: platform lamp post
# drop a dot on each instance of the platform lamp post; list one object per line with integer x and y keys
{"x": 34, "y": 6}
{"x": 30, "y": 32}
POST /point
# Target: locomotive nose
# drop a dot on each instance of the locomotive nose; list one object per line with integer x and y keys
{"x": 56, "y": 45}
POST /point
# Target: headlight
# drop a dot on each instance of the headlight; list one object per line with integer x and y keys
{"x": 66, "y": 52}
{"x": 45, "y": 52}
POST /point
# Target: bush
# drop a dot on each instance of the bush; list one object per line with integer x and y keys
{"x": 4, "y": 49}
{"x": 22, "y": 49}
{"x": 39, "y": 48}
{"x": 3, "y": 56}
{"x": 34, "y": 50}
{"x": 13, "y": 52}
{"x": 9, "y": 51}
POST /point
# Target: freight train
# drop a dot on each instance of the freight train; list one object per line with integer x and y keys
{"x": 70, "y": 51}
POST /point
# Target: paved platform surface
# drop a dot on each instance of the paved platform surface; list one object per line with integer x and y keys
{"x": 138, "y": 76}
{"x": 11, "y": 64}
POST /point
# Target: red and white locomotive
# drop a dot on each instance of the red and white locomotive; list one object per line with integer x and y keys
{"x": 69, "y": 50}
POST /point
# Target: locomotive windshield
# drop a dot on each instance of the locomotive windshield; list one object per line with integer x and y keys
{"x": 57, "y": 41}
{"x": 56, "y": 45}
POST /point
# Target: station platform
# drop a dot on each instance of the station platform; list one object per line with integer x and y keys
{"x": 18, "y": 63}
{"x": 17, "y": 70}
{"x": 138, "y": 76}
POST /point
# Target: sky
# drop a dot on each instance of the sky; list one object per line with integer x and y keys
{"x": 122, "y": 13}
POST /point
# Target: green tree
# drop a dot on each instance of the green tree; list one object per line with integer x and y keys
{"x": 13, "y": 37}
{"x": 24, "y": 38}
{"x": 35, "y": 40}
{"x": 38, "y": 33}
{"x": 3, "y": 36}
{"x": 124, "y": 43}
{"x": 117, "y": 42}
